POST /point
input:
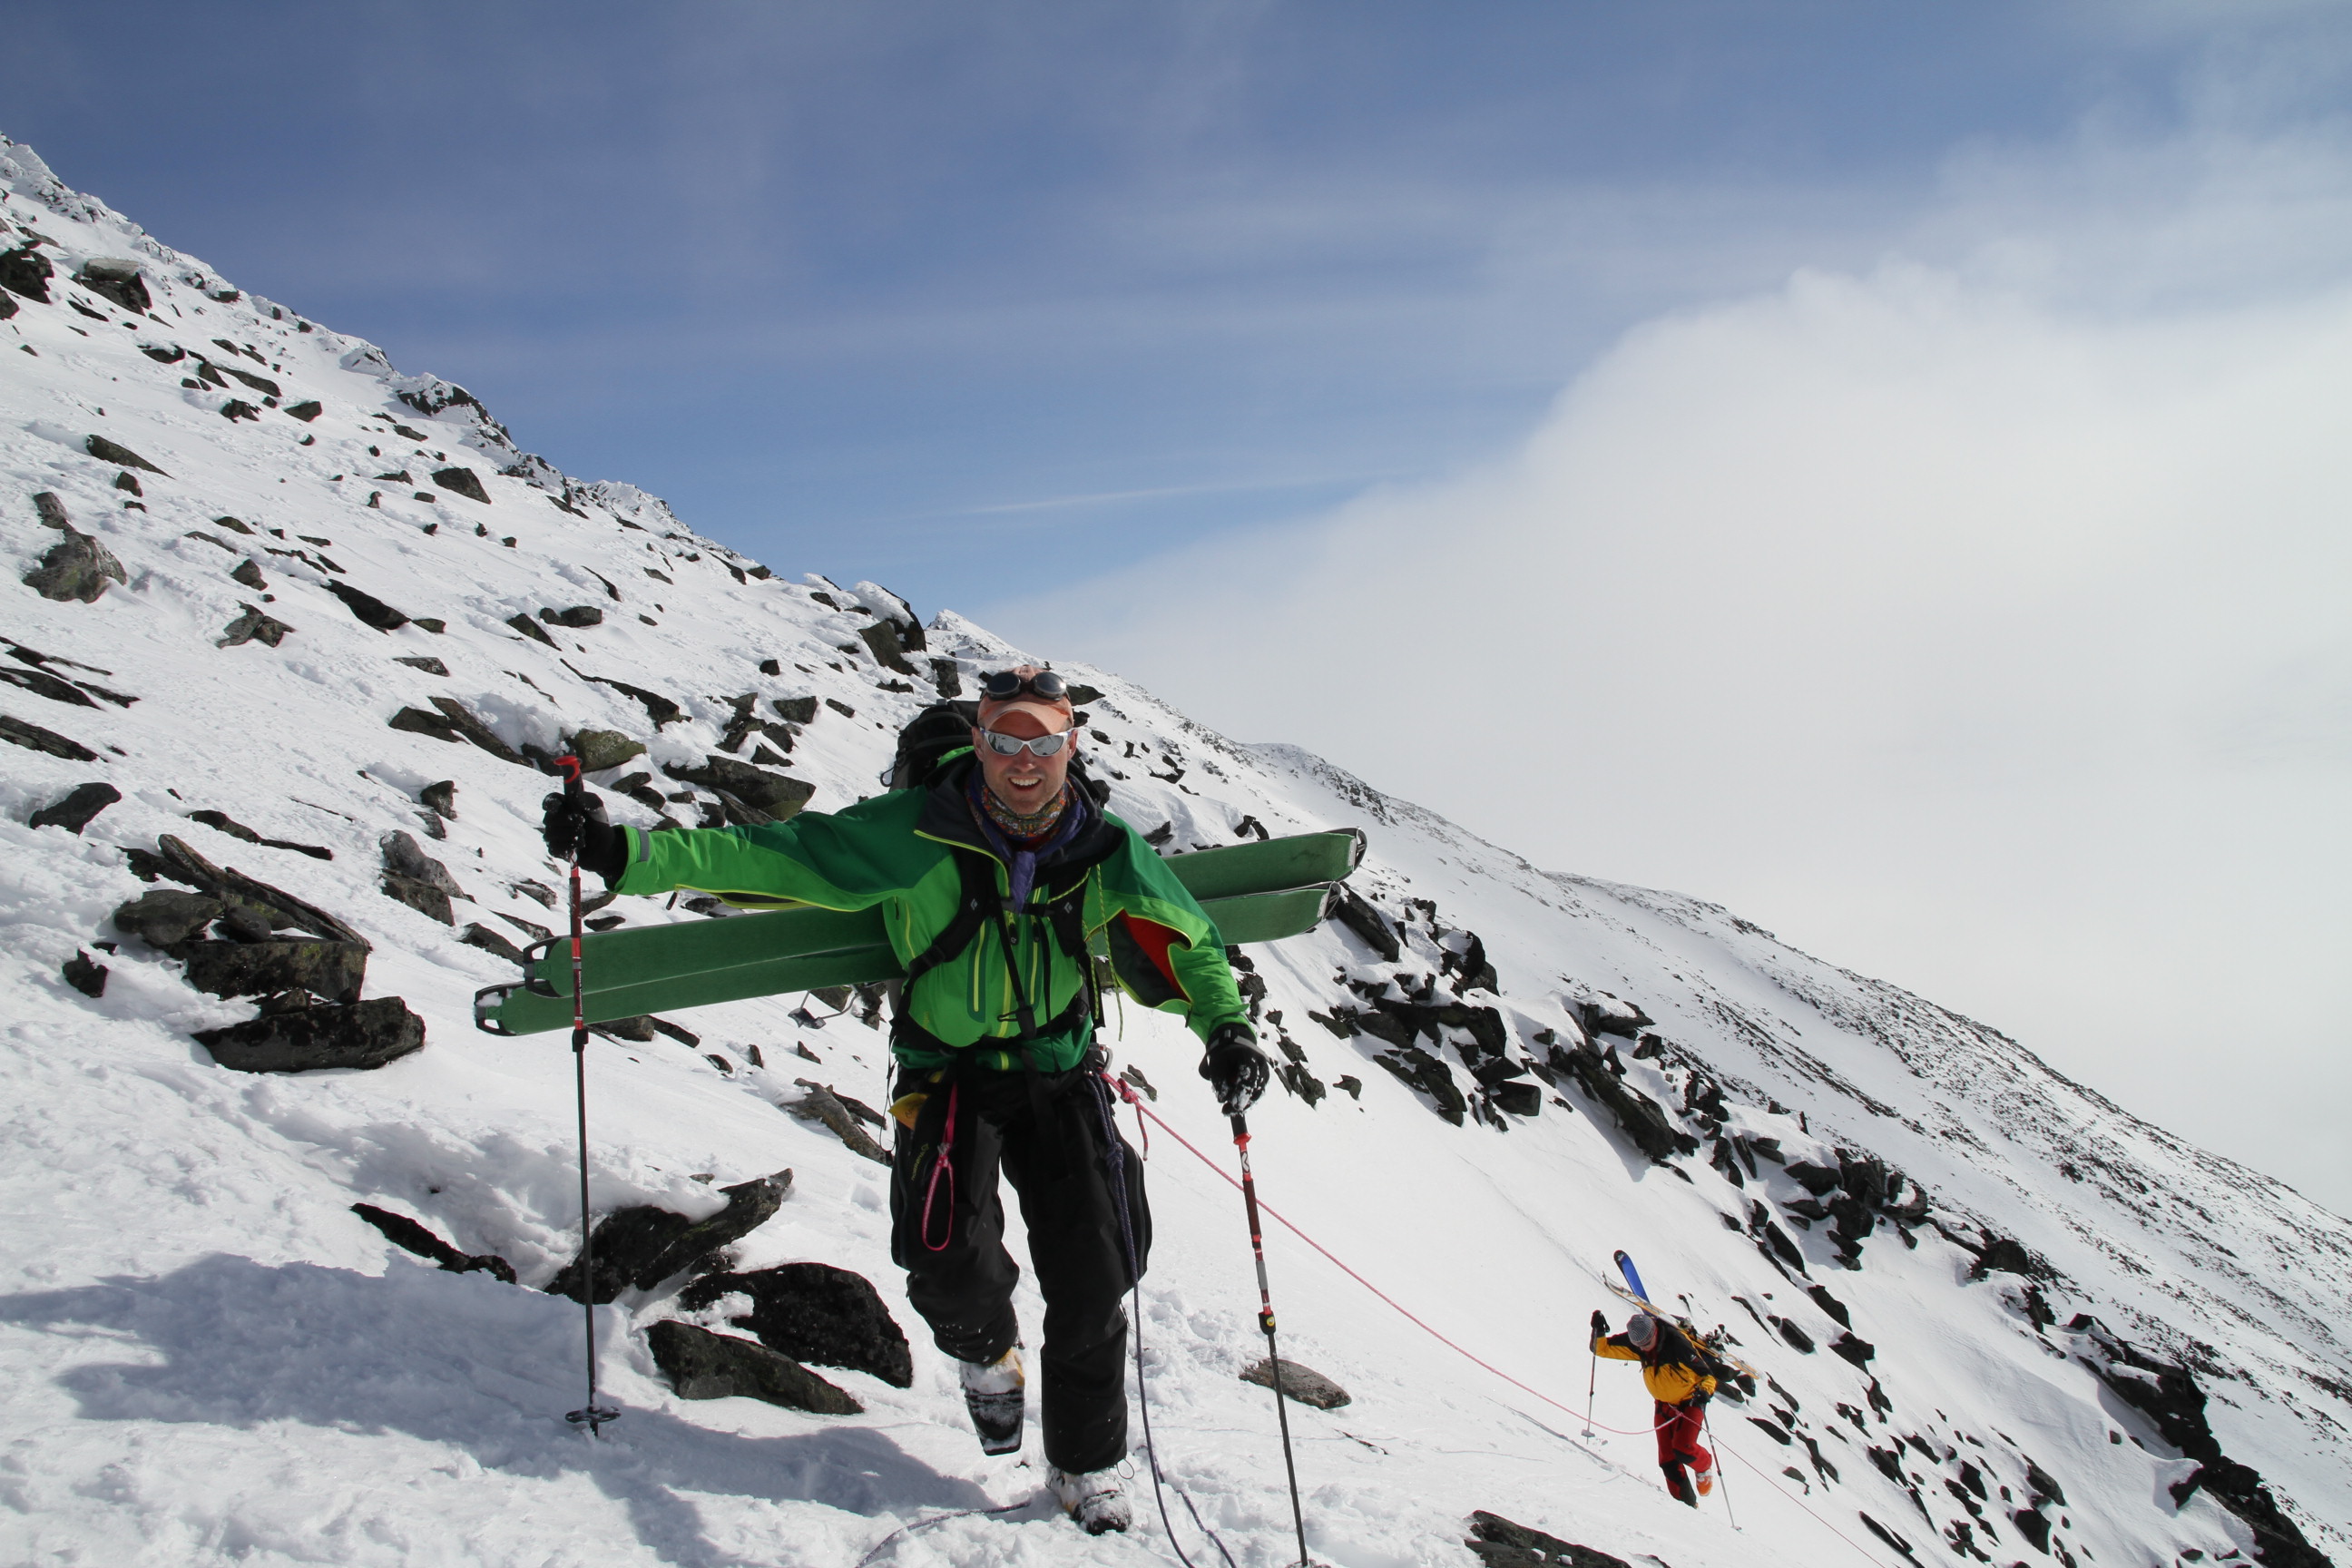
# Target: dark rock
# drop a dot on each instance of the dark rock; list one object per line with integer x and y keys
{"x": 1500, "y": 1543}
{"x": 642, "y": 1246}
{"x": 41, "y": 683}
{"x": 1798, "y": 1339}
{"x": 700, "y": 1365}
{"x": 74, "y": 812}
{"x": 2003, "y": 1256}
{"x": 944, "y": 676}
{"x": 248, "y": 572}
{"x": 78, "y": 566}
{"x": 123, "y": 481}
{"x": 637, "y": 1030}
{"x": 221, "y": 822}
{"x": 177, "y": 861}
{"x": 881, "y": 640}
{"x": 26, "y": 271}
{"x": 601, "y": 749}
{"x": 165, "y": 918}
{"x": 475, "y": 934}
{"x": 463, "y": 482}
{"x": 423, "y": 897}
{"x": 418, "y": 722}
{"x": 238, "y": 408}
{"x": 1416, "y": 1069}
{"x": 441, "y": 798}
{"x": 660, "y": 709}
{"x": 796, "y": 710}
{"x": 7, "y": 307}
{"x": 827, "y": 1109}
{"x": 85, "y": 974}
{"x": 1856, "y": 1350}
{"x": 116, "y": 279}
{"x": 1300, "y": 1383}
{"x": 1518, "y": 1099}
{"x": 843, "y": 709}
{"x": 32, "y": 737}
{"x": 306, "y": 411}
{"x": 1815, "y": 1179}
{"x": 424, "y": 661}
{"x": 468, "y": 726}
{"x": 403, "y": 857}
{"x": 529, "y": 628}
{"x": 1368, "y": 924}
{"x": 357, "y": 1034}
{"x": 370, "y": 610}
{"x": 1638, "y": 1116}
{"x": 577, "y": 616}
{"x": 772, "y": 794}
{"x": 407, "y": 1234}
{"x": 816, "y": 1312}
{"x": 260, "y": 384}
{"x": 1830, "y": 1304}
{"x": 255, "y": 626}
{"x": 331, "y": 969}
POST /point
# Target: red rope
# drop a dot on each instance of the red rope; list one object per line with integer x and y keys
{"x": 1128, "y": 1094}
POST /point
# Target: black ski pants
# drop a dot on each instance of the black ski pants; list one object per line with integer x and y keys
{"x": 1050, "y": 1140}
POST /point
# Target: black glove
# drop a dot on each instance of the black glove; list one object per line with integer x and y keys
{"x": 603, "y": 848}
{"x": 1234, "y": 1067}
{"x": 1600, "y": 1326}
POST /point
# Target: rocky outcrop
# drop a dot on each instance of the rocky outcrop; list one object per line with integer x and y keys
{"x": 77, "y": 567}
{"x": 332, "y": 970}
{"x": 408, "y": 1235}
{"x": 367, "y": 608}
{"x": 529, "y": 628}
{"x": 642, "y": 1246}
{"x": 814, "y": 1312}
{"x": 1300, "y": 1383}
{"x": 121, "y": 456}
{"x": 74, "y": 810}
{"x": 356, "y": 1035}
{"x": 601, "y": 749}
{"x": 753, "y": 794}
{"x": 255, "y": 625}
{"x": 27, "y": 272}
{"x": 1500, "y": 1543}
{"x": 700, "y": 1365}
{"x": 173, "y": 860}
{"x": 463, "y": 482}
{"x": 416, "y": 879}
{"x": 116, "y": 279}
{"x": 33, "y": 737}
{"x": 828, "y": 1109}
{"x": 1642, "y": 1120}
{"x": 85, "y": 974}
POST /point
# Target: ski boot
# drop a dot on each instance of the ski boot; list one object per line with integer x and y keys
{"x": 1705, "y": 1481}
{"x": 1678, "y": 1485}
{"x": 995, "y": 1393}
{"x": 1093, "y": 1498}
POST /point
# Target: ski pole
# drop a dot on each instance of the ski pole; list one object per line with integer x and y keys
{"x": 591, "y": 1415}
{"x": 1592, "y": 1375}
{"x": 1722, "y": 1470}
{"x": 1266, "y": 1323}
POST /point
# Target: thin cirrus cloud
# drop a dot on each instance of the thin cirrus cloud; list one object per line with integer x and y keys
{"x": 1978, "y": 622}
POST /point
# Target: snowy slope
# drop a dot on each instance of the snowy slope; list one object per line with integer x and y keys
{"x": 209, "y": 1358}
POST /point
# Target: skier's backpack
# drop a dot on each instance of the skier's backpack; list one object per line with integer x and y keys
{"x": 942, "y": 730}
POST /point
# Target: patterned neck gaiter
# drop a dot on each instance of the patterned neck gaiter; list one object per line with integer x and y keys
{"x": 1015, "y": 825}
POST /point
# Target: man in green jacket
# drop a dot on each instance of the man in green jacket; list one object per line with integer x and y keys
{"x": 996, "y": 882}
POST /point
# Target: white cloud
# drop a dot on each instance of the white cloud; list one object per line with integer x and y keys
{"x": 1974, "y": 624}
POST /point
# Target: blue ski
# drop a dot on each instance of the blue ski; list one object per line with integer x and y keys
{"x": 1632, "y": 1276}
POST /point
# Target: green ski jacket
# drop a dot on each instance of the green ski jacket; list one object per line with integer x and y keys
{"x": 899, "y": 851}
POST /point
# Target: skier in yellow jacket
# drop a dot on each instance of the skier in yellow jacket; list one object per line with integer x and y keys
{"x": 1680, "y": 1377}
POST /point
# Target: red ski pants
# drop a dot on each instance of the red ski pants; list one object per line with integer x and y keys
{"x": 1678, "y": 1429}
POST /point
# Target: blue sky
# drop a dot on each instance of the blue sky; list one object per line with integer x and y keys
{"x": 930, "y": 293}
{"x": 1877, "y": 466}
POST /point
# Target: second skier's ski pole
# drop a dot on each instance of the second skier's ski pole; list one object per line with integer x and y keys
{"x": 1722, "y": 1472}
{"x": 1266, "y": 1323}
{"x": 591, "y": 1415}
{"x": 1591, "y": 1374}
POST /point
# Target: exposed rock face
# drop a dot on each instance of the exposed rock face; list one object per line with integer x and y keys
{"x": 351, "y": 1034}
{"x": 114, "y": 452}
{"x": 116, "y": 279}
{"x": 822, "y": 1106}
{"x": 475, "y": 934}
{"x": 577, "y": 616}
{"x": 601, "y": 749}
{"x": 1500, "y": 1543}
{"x": 1303, "y": 1383}
{"x": 642, "y": 1246}
{"x": 529, "y": 628}
{"x": 463, "y": 482}
{"x": 281, "y": 909}
{"x": 255, "y": 625}
{"x": 700, "y": 1365}
{"x": 1640, "y": 1118}
{"x": 85, "y": 974}
{"x": 796, "y": 710}
{"x": 814, "y": 1312}
{"x": 882, "y": 641}
{"x": 407, "y": 1234}
{"x": 306, "y": 410}
{"x": 772, "y": 795}
{"x": 77, "y": 567}
{"x": 32, "y": 737}
{"x": 166, "y": 917}
{"x": 74, "y": 812}
{"x": 453, "y": 720}
{"x": 334, "y": 970}
{"x": 27, "y": 272}
{"x": 367, "y": 608}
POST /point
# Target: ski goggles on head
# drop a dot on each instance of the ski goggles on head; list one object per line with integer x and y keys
{"x": 1007, "y": 684}
{"x": 1005, "y": 745}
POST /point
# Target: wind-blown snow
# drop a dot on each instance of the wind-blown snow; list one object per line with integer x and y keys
{"x": 209, "y": 1358}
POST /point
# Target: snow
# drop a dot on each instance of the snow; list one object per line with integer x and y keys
{"x": 210, "y": 1359}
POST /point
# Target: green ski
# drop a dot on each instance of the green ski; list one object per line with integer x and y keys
{"x": 1254, "y": 892}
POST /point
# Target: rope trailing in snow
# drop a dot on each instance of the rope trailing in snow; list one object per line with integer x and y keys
{"x": 1473, "y": 1357}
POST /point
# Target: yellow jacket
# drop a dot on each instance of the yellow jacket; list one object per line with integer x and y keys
{"x": 1673, "y": 1371}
